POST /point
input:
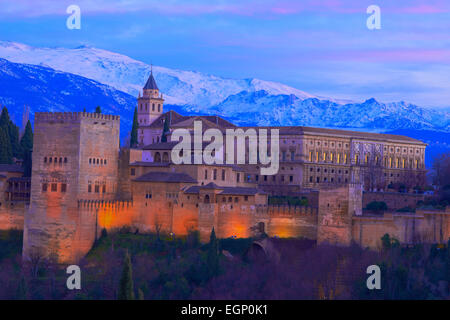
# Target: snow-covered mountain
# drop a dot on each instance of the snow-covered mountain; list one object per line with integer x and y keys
{"x": 243, "y": 101}
{"x": 267, "y": 109}
{"x": 45, "y": 89}
{"x": 129, "y": 75}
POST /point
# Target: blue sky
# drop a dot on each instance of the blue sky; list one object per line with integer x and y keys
{"x": 319, "y": 46}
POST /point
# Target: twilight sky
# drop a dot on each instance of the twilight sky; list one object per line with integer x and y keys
{"x": 319, "y": 46}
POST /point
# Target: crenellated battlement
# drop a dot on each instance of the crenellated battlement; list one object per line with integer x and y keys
{"x": 72, "y": 116}
{"x": 105, "y": 204}
{"x": 286, "y": 210}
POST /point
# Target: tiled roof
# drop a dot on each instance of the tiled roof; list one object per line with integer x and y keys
{"x": 10, "y": 168}
{"x": 151, "y": 83}
{"x": 225, "y": 190}
{"x": 149, "y": 164}
{"x": 292, "y": 130}
{"x": 166, "y": 177}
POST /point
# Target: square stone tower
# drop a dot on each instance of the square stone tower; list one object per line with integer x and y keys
{"x": 75, "y": 157}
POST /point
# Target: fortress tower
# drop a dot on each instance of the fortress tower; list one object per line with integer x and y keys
{"x": 150, "y": 104}
{"x": 75, "y": 157}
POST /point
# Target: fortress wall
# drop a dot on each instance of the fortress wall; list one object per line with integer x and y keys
{"x": 12, "y": 215}
{"x": 394, "y": 200}
{"x": 422, "y": 227}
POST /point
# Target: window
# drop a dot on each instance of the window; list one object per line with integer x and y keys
{"x": 104, "y": 188}
{"x": 60, "y": 160}
{"x": 63, "y": 187}
{"x": 291, "y": 178}
{"x": 50, "y": 160}
{"x": 206, "y": 174}
{"x": 89, "y": 188}
{"x": 44, "y": 187}
{"x": 54, "y": 187}
{"x": 256, "y": 177}
{"x": 104, "y": 162}
{"x": 310, "y": 179}
{"x": 238, "y": 177}
{"x": 292, "y": 155}
{"x": 97, "y": 189}
{"x": 215, "y": 174}
{"x": 45, "y": 159}
{"x": 246, "y": 198}
{"x": 223, "y": 175}
{"x": 236, "y": 199}
{"x": 65, "y": 159}
{"x": 265, "y": 178}
{"x": 133, "y": 171}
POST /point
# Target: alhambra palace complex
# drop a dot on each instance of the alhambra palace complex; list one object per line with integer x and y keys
{"x": 82, "y": 182}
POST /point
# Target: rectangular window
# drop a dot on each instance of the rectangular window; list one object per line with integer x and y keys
{"x": 44, "y": 187}
{"x": 104, "y": 188}
{"x": 54, "y": 187}
{"x": 97, "y": 189}
{"x": 89, "y": 188}
{"x": 292, "y": 155}
{"x": 63, "y": 187}
{"x": 215, "y": 174}
{"x": 238, "y": 177}
{"x": 206, "y": 174}
{"x": 223, "y": 175}
{"x": 291, "y": 178}
{"x": 133, "y": 171}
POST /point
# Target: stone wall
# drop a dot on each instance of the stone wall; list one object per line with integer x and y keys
{"x": 12, "y": 215}
{"x": 394, "y": 200}
{"x": 430, "y": 226}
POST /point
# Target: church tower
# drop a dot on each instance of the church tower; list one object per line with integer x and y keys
{"x": 150, "y": 104}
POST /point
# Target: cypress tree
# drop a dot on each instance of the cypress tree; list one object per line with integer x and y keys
{"x": 134, "y": 129}
{"x": 98, "y": 109}
{"x": 126, "y": 290}
{"x": 166, "y": 130}
{"x": 27, "y": 139}
{"x": 12, "y": 132}
{"x": 5, "y": 147}
{"x": 26, "y": 144}
{"x": 213, "y": 257}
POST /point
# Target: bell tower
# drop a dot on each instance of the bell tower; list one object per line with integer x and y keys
{"x": 150, "y": 104}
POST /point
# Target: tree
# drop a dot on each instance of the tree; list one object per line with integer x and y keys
{"x": 98, "y": 109}
{"x": 26, "y": 144}
{"x": 12, "y": 132}
{"x": 5, "y": 147}
{"x": 126, "y": 289}
{"x": 27, "y": 139}
{"x": 377, "y": 206}
{"x": 213, "y": 256}
{"x": 166, "y": 130}
{"x": 134, "y": 129}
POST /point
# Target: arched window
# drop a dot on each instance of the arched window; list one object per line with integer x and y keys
{"x": 207, "y": 199}
{"x": 157, "y": 157}
{"x": 165, "y": 157}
